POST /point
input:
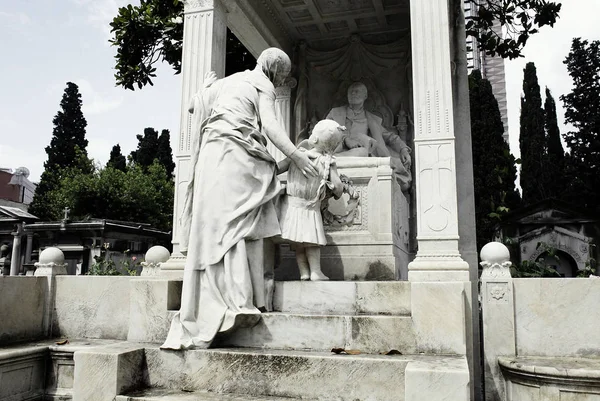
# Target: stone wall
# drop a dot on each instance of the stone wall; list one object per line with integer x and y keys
{"x": 91, "y": 307}
{"x": 557, "y": 317}
{"x": 22, "y": 308}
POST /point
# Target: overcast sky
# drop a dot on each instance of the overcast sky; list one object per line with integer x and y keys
{"x": 46, "y": 43}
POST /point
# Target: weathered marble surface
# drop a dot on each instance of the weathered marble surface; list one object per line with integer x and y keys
{"x": 440, "y": 380}
{"x": 92, "y": 307}
{"x": 22, "y": 372}
{"x": 293, "y": 374}
{"x": 151, "y": 299}
{"x": 369, "y": 334}
{"x": 343, "y": 297}
{"x": 557, "y": 317}
{"x": 551, "y": 379}
{"x": 22, "y": 308}
{"x": 438, "y": 313}
{"x": 174, "y": 395}
{"x": 103, "y": 372}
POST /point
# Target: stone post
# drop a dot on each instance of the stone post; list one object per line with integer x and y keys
{"x": 15, "y": 258}
{"x": 51, "y": 264}
{"x": 204, "y": 40}
{"x": 498, "y": 316}
{"x": 155, "y": 256}
{"x": 438, "y": 258}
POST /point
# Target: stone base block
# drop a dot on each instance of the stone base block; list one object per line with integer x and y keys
{"x": 369, "y": 334}
{"x": 439, "y": 380}
{"x": 293, "y": 374}
{"x": 102, "y": 373}
{"x": 343, "y": 297}
{"x": 151, "y": 299}
{"x": 22, "y": 373}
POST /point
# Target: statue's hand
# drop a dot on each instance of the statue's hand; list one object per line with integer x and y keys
{"x": 352, "y": 143}
{"x": 405, "y": 157}
{"x": 304, "y": 164}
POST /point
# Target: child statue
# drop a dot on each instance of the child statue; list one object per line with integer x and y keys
{"x": 301, "y": 222}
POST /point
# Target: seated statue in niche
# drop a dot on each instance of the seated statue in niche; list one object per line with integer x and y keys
{"x": 366, "y": 135}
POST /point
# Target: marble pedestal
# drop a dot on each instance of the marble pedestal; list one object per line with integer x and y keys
{"x": 376, "y": 245}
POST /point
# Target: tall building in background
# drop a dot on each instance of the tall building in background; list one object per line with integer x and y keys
{"x": 492, "y": 68}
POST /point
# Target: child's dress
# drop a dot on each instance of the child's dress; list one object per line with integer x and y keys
{"x": 302, "y": 221}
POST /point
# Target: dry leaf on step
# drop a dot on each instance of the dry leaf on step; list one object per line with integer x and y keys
{"x": 391, "y": 352}
{"x": 63, "y": 342}
{"x": 342, "y": 351}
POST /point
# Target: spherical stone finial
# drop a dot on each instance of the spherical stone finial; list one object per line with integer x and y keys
{"x": 494, "y": 252}
{"x": 157, "y": 254}
{"x": 52, "y": 255}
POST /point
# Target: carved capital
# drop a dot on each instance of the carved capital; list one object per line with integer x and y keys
{"x": 194, "y": 6}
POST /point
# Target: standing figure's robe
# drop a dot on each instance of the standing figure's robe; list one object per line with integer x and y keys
{"x": 229, "y": 209}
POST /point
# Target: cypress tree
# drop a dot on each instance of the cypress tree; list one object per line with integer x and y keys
{"x": 554, "y": 161}
{"x": 583, "y": 112}
{"x": 164, "y": 152}
{"x": 147, "y": 147}
{"x": 494, "y": 170}
{"x": 117, "y": 160}
{"x": 532, "y": 138}
{"x": 67, "y": 146}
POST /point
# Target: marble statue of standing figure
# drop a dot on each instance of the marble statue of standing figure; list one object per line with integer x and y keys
{"x": 301, "y": 220}
{"x": 230, "y": 202}
{"x": 366, "y": 135}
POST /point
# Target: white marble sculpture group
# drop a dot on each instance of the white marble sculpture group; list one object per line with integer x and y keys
{"x": 235, "y": 201}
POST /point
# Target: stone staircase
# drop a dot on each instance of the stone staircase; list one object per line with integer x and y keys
{"x": 287, "y": 355}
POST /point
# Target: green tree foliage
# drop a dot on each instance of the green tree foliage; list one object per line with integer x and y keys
{"x": 152, "y": 32}
{"x": 583, "y": 112}
{"x": 532, "y": 139}
{"x": 165, "y": 153}
{"x": 494, "y": 170}
{"x": 107, "y": 193}
{"x": 67, "y": 147}
{"x": 517, "y": 19}
{"x": 554, "y": 174}
{"x": 143, "y": 35}
{"x": 117, "y": 160}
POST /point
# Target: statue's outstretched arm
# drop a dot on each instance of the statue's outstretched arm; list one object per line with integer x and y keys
{"x": 276, "y": 133}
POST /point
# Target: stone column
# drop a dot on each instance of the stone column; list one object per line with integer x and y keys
{"x": 204, "y": 40}
{"x": 438, "y": 258}
{"x": 29, "y": 248}
{"x": 283, "y": 112}
{"x": 15, "y": 257}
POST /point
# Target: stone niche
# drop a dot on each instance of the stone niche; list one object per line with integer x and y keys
{"x": 377, "y": 243}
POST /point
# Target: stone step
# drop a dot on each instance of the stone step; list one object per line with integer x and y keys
{"x": 343, "y": 297}
{"x": 293, "y": 374}
{"x": 368, "y": 333}
{"x": 176, "y": 395}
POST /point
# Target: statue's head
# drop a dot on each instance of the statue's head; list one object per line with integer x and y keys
{"x": 275, "y": 64}
{"x": 326, "y": 136}
{"x": 357, "y": 93}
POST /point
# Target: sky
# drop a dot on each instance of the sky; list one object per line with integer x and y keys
{"x": 47, "y": 43}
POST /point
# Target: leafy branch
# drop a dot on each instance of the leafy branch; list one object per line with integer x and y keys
{"x": 502, "y": 27}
